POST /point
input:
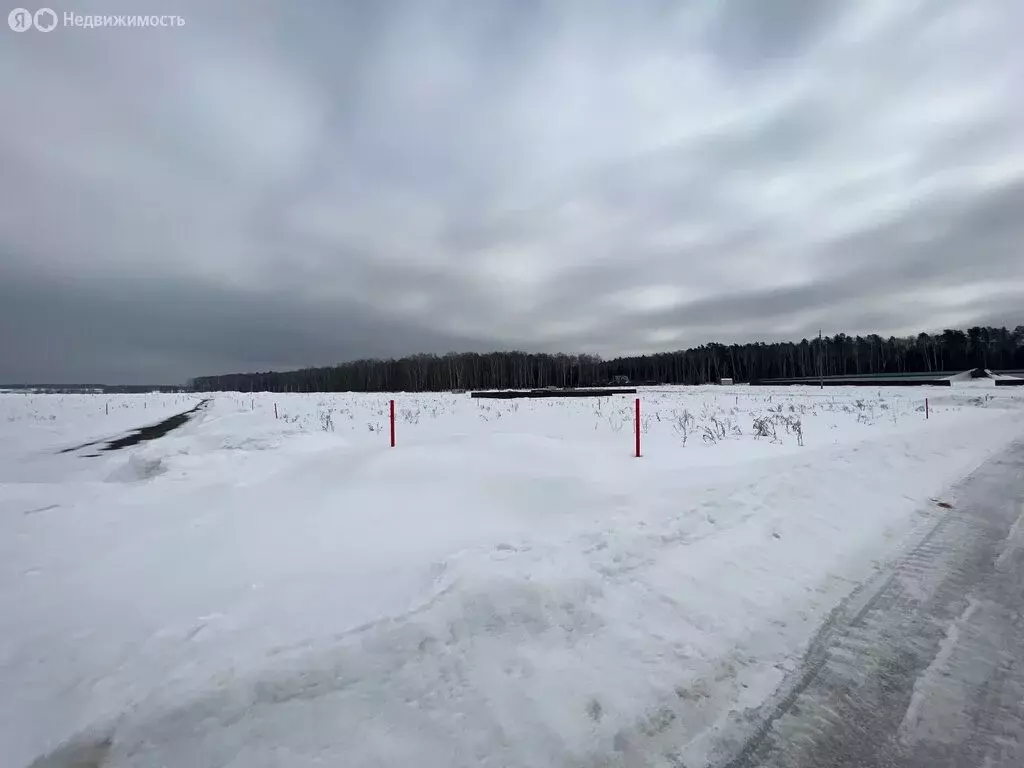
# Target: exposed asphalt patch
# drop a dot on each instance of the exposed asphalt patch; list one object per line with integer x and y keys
{"x": 143, "y": 434}
{"x": 153, "y": 431}
{"x": 74, "y": 448}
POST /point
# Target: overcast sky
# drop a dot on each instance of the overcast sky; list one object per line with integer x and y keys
{"x": 280, "y": 183}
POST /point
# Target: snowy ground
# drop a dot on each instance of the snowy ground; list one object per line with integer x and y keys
{"x": 507, "y": 585}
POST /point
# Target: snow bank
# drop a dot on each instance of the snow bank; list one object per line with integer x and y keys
{"x": 507, "y": 585}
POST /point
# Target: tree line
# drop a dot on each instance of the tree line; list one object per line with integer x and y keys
{"x": 948, "y": 351}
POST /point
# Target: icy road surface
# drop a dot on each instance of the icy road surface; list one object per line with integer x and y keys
{"x": 508, "y": 586}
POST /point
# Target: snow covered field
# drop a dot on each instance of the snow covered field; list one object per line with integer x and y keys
{"x": 506, "y": 586}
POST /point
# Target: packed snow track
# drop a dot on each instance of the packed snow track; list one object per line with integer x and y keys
{"x": 925, "y": 668}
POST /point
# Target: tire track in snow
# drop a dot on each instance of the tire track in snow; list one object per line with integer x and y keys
{"x": 930, "y": 671}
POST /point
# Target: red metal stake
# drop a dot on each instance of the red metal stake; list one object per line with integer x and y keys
{"x": 637, "y": 427}
{"x": 392, "y": 423}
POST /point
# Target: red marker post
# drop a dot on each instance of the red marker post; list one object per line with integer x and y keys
{"x": 392, "y": 423}
{"x": 637, "y": 427}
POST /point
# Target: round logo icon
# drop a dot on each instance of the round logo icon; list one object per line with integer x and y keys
{"x": 45, "y": 20}
{"x": 19, "y": 20}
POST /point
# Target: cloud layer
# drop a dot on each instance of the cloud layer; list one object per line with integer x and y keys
{"x": 287, "y": 184}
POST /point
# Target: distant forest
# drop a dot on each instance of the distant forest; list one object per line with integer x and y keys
{"x": 951, "y": 350}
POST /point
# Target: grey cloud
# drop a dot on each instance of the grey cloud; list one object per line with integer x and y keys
{"x": 287, "y": 185}
{"x": 979, "y": 242}
{"x": 748, "y": 35}
{"x": 144, "y": 332}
